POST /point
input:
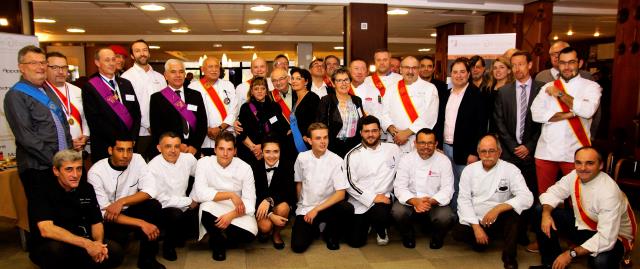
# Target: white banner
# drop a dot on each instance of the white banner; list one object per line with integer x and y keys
{"x": 10, "y": 44}
{"x": 489, "y": 46}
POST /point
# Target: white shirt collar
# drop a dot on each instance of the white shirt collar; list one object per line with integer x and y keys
{"x": 266, "y": 166}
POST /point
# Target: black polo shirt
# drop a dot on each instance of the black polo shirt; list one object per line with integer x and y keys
{"x": 74, "y": 211}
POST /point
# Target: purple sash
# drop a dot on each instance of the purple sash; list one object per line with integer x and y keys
{"x": 181, "y": 107}
{"x": 111, "y": 100}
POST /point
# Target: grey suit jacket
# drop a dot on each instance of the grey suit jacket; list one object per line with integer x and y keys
{"x": 546, "y": 76}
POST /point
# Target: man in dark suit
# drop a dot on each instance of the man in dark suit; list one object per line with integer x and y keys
{"x": 427, "y": 73}
{"x": 179, "y": 110}
{"x": 516, "y": 129}
{"x": 110, "y": 105}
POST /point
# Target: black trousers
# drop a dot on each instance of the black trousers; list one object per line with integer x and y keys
{"x": 336, "y": 218}
{"x": 220, "y": 240}
{"x": 178, "y": 225}
{"x": 506, "y": 225}
{"x": 439, "y": 218}
{"x": 565, "y": 223}
{"x": 51, "y": 254}
{"x": 30, "y": 179}
{"x": 378, "y": 217}
{"x": 149, "y": 211}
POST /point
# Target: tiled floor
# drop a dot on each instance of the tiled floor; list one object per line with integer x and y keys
{"x": 256, "y": 255}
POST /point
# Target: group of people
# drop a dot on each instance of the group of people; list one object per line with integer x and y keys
{"x": 341, "y": 151}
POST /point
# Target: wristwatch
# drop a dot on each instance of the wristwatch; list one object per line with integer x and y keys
{"x": 573, "y": 253}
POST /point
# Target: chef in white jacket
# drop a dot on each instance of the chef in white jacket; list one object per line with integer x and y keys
{"x": 224, "y": 186}
{"x": 492, "y": 195}
{"x": 171, "y": 170}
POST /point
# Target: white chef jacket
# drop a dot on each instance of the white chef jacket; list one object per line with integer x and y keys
{"x": 320, "y": 177}
{"x": 417, "y": 178}
{"x": 111, "y": 185}
{"x": 557, "y": 141}
{"x": 481, "y": 190}
{"x": 237, "y": 177}
{"x": 75, "y": 97}
{"x": 224, "y": 89}
{"x": 370, "y": 95}
{"x": 424, "y": 96}
{"x": 173, "y": 179}
{"x": 603, "y": 201}
{"x": 370, "y": 172}
{"x": 145, "y": 83}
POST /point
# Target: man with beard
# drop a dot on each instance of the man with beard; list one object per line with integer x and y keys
{"x": 394, "y": 64}
{"x": 145, "y": 82}
{"x": 376, "y": 85}
{"x": 553, "y": 73}
{"x": 565, "y": 108}
{"x": 477, "y": 65}
{"x": 427, "y": 73}
{"x": 371, "y": 168}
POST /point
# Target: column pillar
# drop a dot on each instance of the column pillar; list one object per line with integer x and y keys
{"x": 536, "y": 28}
{"x": 305, "y": 54}
{"x": 365, "y": 31}
{"x": 442, "y": 38}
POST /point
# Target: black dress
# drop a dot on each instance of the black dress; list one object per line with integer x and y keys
{"x": 267, "y": 120}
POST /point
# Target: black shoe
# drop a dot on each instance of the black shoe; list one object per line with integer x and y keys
{"x": 333, "y": 245}
{"x": 263, "y": 238}
{"x": 219, "y": 255}
{"x": 436, "y": 243}
{"x": 511, "y": 265}
{"x": 169, "y": 254}
{"x": 278, "y": 245}
{"x": 540, "y": 267}
{"x": 150, "y": 264}
{"x": 409, "y": 242}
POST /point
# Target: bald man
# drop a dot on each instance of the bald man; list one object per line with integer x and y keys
{"x": 258, "y": 69}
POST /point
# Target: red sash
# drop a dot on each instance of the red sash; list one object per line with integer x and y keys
{"x": 593, "y": 225}
{"x": 575, "y": 123}
{"x": 378, "y": 83}
{"x": 215, "y": 98}
{"x": 351, "y": 90}
{"x": 406, "y": 101}
{"x": 286, "y": 111}
{"x": 63, "y": 99}
{"x": 327, "y": 81}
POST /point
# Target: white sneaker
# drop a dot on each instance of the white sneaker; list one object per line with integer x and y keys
{"x": 382, "y": 241}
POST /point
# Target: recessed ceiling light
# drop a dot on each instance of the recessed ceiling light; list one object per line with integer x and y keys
{"x": 424, "y": 50}
{"x": 434, "y": 35}
{"x": 180, "y": 30}
{"x": 75, "y": 30}
{"x": 154, "y": 47}
{"x": 152, "y": 7}
{"x": 261, "y": 8}
{"x": 397, "y": 11}
{"x": 254, "y": 31}
{"x": 555, "y": 37}
{"x": 570, "y": 32}
{"x": 257, "y": 22}
{"x": 217, "y": 45}
{"x": 44, "y": 20}
{"x": 4, "y": 22}
{"x": 248, "y": 47}
{"x": 168, "y": 21}
{"x": 596, "y": 34}
{"x": 338, "y": 48}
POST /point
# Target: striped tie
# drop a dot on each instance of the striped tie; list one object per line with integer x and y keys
{"x": 522, "y": 114}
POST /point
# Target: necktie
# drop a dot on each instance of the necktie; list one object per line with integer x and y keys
{"x": 522, "y": 114}
{"x": 62, "y": 139}
{"x": 185, "y": 126}
{"x": 112, "y": 83}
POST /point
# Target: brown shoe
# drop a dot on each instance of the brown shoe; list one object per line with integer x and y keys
{"x": 533, "y": 247}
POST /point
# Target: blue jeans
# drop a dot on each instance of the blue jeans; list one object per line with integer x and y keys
{"x": 457, "y": 171}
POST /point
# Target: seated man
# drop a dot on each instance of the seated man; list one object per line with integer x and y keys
{"x": 225, "y": 187}
{"x": 66, "y": 223}
{"x": 371, "y": 168}
{"x": 320, "y": 185}
{"x": 600, "y": 222}
{"x": 424, "y": 187}
{"x": 171, "y": 170}
{"x": 492, "y": 195}
{"x": 125, "y": 189}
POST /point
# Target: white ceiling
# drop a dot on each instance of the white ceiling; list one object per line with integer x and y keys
{"x": 113, "y": 21}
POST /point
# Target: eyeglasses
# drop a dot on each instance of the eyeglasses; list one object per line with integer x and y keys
{"x": 572, "y": 62}
{"x": 36, "y": 63}
{"x": 346, "y": 80}
{"x": 58, "y": 67}
{"x": 485, "y": 152}
{"x": 422, "y": 143}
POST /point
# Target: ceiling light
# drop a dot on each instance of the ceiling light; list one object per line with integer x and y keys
{"x": 338, "y": 48}
{"x": 257, "y": 22}
{"x": 254, "y": 31}
{"x": 168, "y": 21}
{"x": 570, "y": 32}
{"x": 44, "y": 20}
{"x": 180, "y": 30}
{"x": 596, "y": 34}
{"x": 4, "y": 22}
{"x": 154, "y": 47}
{"x": 152, "y": 7}
{"x": 372, "y": 68}
{"x": 217, "y": 45}
{"x": 261, "y": 8}
{"x": 75, "y": 30}
{"x": 424, "y": 50}
{"x": 434, "y": 34}
{"x": 248, "y": 47}
{"x": 397, "y": 11}
{"x": 555, "y": 37}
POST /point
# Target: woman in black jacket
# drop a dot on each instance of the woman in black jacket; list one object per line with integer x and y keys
{"x": 305, "y": 108}
{"x": 341, "y": 112}
{"x": 260, "y": 116}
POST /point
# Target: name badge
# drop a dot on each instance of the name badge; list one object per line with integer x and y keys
{"x": 273, "y": 120}
{"x": 192, "y": 107}
{"x": 129, "y": 97}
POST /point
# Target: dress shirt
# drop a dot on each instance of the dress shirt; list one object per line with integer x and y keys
{"x": 451, "y": 114}
{"x": 145, "y": 83}
{"x": 527, "y": 90}
{"x": 370, "y": 172}
{"x": 173, "y": 179}
{"x": 603, "y": 201}
{"x": 557, "y": 141}
{"x": 481, "y": 190}
{"x": 320, "y": 178}
{"x": 111, "y": 184}
{"x": 224, "y": 89}
{"x": 111, "y": 82}
{"x": 320, "y": 91}
{"x": 418, "y": 178}
{"x": 270, "y": 173}
{"x": 75, "y": 97}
